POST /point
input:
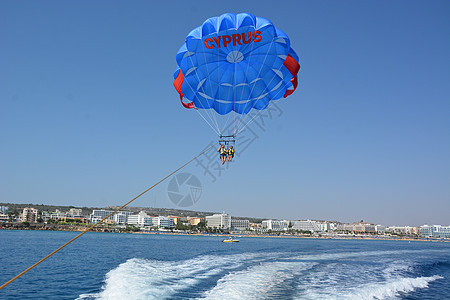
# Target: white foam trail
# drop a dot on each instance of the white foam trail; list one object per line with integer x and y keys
{"x": 381, "y": 290}
{"x": 151, "y": 279}
{"x": 391, "y": 289}
{"x": 261, "y": 275}
{"x": 396, "y": 269}
{"x": 334, "y": 256}
{"x": 256, "y": 282}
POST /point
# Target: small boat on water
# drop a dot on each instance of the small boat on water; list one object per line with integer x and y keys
{"x": 230, "y": 240}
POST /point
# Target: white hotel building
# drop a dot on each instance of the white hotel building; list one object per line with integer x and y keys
{"x": 121, "y": 217}
{"x": 275, "y": 225}
{"x": 143, "y": 220}
{"x": 221, "y": 221}
{"x": 309, "y": 225}
{"x": 163, "y": 222}
{"x": 240, "y": 225}
{"x": 140, "y": 220}
{"x": 436, "y": 231}
{"x": 98, "y": 214}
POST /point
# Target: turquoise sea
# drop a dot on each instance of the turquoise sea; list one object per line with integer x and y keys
{"x": 138, "y": 266}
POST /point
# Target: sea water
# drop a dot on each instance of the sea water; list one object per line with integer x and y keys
{"x": 147, "y": 266}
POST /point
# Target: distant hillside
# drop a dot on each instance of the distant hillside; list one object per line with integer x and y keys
{"x": 13, "y": 207}
{"x": 149, "y": 210}
{"x": 153, "y": 211}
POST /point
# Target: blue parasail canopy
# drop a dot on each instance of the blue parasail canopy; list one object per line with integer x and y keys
{"x": 235, "y": 62}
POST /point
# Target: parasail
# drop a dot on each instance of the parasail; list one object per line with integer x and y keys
{"x": 233, "y": 64}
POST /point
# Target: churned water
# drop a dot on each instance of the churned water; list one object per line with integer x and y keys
{"x": 133, "y": 266}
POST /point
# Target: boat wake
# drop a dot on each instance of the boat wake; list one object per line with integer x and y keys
{"x": 264, "y": 276}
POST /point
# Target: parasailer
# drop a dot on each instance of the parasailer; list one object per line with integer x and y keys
{"x": 234, "y": 65}
{"x": 223, "y": 152}
{"x": 231, "y": 153}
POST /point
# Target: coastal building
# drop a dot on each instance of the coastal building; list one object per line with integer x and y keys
{"x": 4, "y": 209}
{"x": 54, "y": 215}
{"x": 363, "y": 227}
{"x": 426, "y": 231}
{"x": 3, "y": 218}
{"x": 45, "y": 216}
{"x": 444, "y": 231}
{"x": 221, "y": 221}
{"x": 57, "y": 214}
{"x": 332, "y": 226}
{"x": 275, "y": 225}
{"x": 194, "y": 221}
{"x": 255, "y": 225}
{"x": 143, "y": 220}
{"x": 95, "y": 220}
{"x": 380, "y": 228}
{"x": 240, "y": 225}
{"x": 175, "y": 219}
{"x": 140, "y": 220}
{"x": 163, "y": 222}
{"x": 121, "y": 217}
{"x": 308, "y": 225}
{"x": 74, "y": 213}
{"x": 360, "y": 227}
{"x": 323, "y": 226}
{"x": 347, "y": 227}
{"x": 435, "y": 231}
{"x": 407, "y": 230}
{"x": 99, "y": 214}
{"x": 109, "y": 222}
{"x": 29, "y": 214}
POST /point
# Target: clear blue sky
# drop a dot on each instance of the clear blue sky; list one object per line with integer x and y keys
{"x": 89, "y": 116}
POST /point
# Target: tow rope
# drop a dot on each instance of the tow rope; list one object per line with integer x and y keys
{"x": 94, "y": 225}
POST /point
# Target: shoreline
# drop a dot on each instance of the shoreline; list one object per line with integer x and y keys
{"x": 241, "y": 235}
{"x": 238, "y": 235}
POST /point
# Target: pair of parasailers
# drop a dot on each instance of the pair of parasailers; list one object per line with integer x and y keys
{"x": 226, "y": 152}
